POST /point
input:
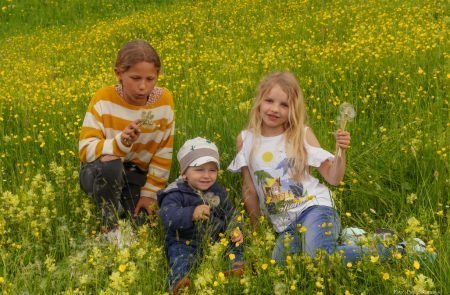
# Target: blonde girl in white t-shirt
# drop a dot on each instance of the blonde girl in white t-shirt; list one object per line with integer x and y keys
{"x": 276, "y": 153}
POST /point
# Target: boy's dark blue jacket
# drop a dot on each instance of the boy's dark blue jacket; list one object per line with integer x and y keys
{"x": 177, "y": 203}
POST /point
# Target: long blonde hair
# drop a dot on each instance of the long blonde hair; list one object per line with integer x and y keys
{"x": 295, "y": 127}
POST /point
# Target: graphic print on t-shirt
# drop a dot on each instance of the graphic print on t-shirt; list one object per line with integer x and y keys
{"x": 280, "y": 193}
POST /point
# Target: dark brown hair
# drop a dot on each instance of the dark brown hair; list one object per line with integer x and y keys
{"x": 134, "y": 52}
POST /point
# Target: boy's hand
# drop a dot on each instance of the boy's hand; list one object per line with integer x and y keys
{"x": 236, "y": 236}
{"x": 342, "y": 139}
{"x": 201, "y": 212}
{"x": 131, "y": 133}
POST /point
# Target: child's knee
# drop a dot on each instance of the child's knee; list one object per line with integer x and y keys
{"x": 112, "y": 171}
{"x": 98, "y": 176}
{"x": 320, "y": 240}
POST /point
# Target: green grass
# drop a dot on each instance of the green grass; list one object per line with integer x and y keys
{"x": 387, "y": 58}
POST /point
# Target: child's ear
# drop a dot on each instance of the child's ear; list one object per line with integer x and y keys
{"x": 117, "y": 72}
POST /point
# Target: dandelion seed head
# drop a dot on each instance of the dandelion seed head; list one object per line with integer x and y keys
{"x": 346, "y": 113}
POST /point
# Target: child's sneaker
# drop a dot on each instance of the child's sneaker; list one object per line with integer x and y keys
{"x": 352, "y": 235}
{"x": 237, "y": 270}
{"x": 384, "y": 234}
{"x": 183, "y": 283}
{"x": 418, "y": 248}
{"x": 389, "y": 239}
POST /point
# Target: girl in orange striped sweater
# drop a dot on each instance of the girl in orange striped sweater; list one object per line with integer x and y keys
{"x": 127, "y": 136}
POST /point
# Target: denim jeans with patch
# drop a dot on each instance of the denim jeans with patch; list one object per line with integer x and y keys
{"x": 322, "y": 225}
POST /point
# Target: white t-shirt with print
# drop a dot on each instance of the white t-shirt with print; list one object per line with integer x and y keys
{"x": 281, "y": 198}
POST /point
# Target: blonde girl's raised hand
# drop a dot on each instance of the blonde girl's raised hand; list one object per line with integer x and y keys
{"x": 342, "y": 139}
{"x": 237, "y": 236}
{"x": 131, "y": 133}
{"x": 332, "y": 171}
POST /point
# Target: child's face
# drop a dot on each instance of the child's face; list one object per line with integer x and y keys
{"x": 138, "y": 82}
{"x": 274, "y": 111}
{"x": 201, "y": 177}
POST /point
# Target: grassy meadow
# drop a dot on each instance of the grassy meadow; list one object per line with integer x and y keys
{"x": 390, "y": 59}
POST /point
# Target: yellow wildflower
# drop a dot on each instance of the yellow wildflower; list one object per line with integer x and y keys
{"x": 423, "y": 284}
{"x": 398, "y": 255}
{"x": 222, "y": 276}
{"x": 319, "y": 284}
{"x": 122, "y": 267}
{"x": 413, "y": 226}
{"x": 411, "y": 198}
{"x": 374, "y": 259}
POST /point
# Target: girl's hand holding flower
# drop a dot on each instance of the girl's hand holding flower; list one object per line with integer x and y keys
{"x": 342, "y": 140}
{"x": 131, "y": 133}
{"x": 148, "y": 204}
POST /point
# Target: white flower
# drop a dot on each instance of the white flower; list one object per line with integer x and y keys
{"x": 212, "y": 200}
{"x": 346, "y": 113}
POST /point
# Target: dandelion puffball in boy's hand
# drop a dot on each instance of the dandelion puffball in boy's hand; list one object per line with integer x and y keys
{"x": 237, "y": 236}
{"x": 201, "y": 212}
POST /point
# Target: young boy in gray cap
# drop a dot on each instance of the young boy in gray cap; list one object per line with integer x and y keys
{"x": 195, "y": 209}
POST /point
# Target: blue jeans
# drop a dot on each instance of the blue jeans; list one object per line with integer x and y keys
{"x": 323, "y": 226}
{"x": 182, "y": 258}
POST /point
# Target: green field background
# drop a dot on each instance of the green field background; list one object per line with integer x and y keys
{"x": 389, "y": 59}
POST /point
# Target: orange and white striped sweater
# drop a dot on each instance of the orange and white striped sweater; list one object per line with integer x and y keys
{"x": 108, "y": 114}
